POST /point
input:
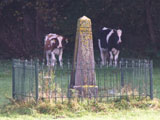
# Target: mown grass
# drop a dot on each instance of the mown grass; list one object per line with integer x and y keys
{"x": 135, "y": 114}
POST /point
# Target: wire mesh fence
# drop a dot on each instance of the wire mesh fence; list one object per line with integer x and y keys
{"x": 34, "y": 80}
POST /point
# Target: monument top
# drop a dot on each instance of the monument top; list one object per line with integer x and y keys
{"x": 84, "y": 18}
{"x": 84, "y": 22}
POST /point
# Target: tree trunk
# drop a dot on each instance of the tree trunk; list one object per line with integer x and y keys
{"x": 39, "y": 32}
{"x": 150, "y": 23}
{"x": 28, "y": 35}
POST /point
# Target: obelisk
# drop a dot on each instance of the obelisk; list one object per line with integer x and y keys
{"x": 83, "y": 76}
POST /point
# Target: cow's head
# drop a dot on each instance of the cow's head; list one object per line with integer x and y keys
{"x": 119, "y": 33}
{"x": 62, "y": 41}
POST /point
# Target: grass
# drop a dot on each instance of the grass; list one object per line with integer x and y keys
{"x": 62, "y": 78}
{"x": 5, "y": 91}
{"x": 121, "y": 110}
{"x": 135, "y": 114}
{"x": 5, "y": 81}
{"x": 132, "y": 109}
{"x": 156, "y": 80}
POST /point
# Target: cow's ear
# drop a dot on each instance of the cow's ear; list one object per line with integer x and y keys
{"x": 119, "y": 32}
{"x": 66, "y": 40}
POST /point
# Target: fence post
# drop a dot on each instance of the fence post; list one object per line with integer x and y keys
{"x": 36, "y": 78}
{"x": 13, "y": 79}
{"x": 122, "y": 74}
{"x": 23, "y": 80}
{"x": 151, "y": 79}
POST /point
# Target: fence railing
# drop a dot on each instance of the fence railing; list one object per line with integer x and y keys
{"x": 24, "y": 79}
{"x": 34, "y": 80}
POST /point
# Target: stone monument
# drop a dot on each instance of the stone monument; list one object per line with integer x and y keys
{"x": 83, "y": 77}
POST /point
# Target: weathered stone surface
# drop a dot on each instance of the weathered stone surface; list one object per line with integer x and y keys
{"x": 83, "y": 75}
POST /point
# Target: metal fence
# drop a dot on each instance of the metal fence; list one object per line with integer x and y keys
{"x": 5, "y": 81}
{"x": 156, "y": 79}
{"x": 34, "y": 80}
{"x": 24, "y": 79}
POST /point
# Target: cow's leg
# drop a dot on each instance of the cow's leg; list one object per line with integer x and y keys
{"x": 102, "y": 58}
{"x": 53, "y": 59}
{"x": 116, "y": 57}
{"x": 60, "y": 58}
{"x": 47, "y": 58}
{"x": 111, "y": 58}
{"x": 101, "y": 53}
{"x": 105, "y": 57}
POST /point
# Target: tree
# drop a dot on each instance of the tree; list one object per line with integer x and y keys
{"x": 150, "y": 23}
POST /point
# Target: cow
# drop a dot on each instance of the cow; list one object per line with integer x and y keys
{"x": 54, "y": 45}
{"x": 109, "y": 42}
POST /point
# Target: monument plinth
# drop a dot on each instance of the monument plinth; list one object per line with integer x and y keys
{"x": 83, "y": 76}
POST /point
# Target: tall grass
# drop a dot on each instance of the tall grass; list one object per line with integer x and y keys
{"x": 75, "y": 109}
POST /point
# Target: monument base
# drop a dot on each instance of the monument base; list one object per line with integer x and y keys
{"x": 88, "y": 91}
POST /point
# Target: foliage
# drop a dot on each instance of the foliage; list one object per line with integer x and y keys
{"x": 25, "y": 23}
{"x": 47, "y": 83}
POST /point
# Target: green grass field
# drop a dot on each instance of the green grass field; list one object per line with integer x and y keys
{"x": 132, "y": 114}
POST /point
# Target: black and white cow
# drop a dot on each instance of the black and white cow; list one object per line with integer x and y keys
{"x": 54, "y": 45}
{"x": 109, "y": 44}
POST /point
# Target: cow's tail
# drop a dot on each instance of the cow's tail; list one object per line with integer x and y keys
{"x": 99, "y": 43}
{"x": 44, "y": 53}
